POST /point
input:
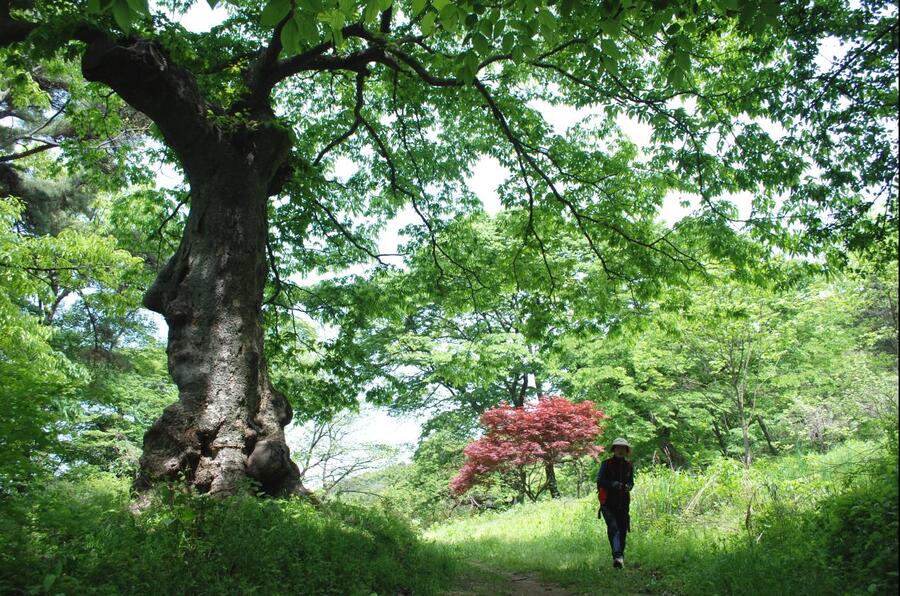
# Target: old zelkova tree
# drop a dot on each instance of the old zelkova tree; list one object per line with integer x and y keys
{"x": 741, "y": 97}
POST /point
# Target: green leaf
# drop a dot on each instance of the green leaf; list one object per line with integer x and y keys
{"x": 348, "y": 8}
{"x": 48, "y": 582}
{"x": 373, "y": 7}
{"x": 94, "y": 6}
{"x": 335, "y": 20}
{"x": 675, "y": 76}
{"x": 486, "y": 27}
{"x": 610, "y": 49}
{"x": 274, "y": 12}
{"x": 212, "y": 3}
{"x": 611, "y": 26}
{"x": 546, "y": 20}
{"x": 440, "y": 4}
{"x": 123, "y": 15}
{"x": 480, "y": 43}
{"x": 508, "y": 43}
{"x": 450, "y": 18}
{"x": 427, "y": 24}
{"x": 469, "y": 66}
{"x": 291, "y": 36}
{"x": 139, "y": 6}
{"x": 418, "y": 6}
{"x": 307, "y": 27}
{"x": 530, "y": 51}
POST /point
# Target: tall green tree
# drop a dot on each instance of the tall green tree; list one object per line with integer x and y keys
{"x": 737, "y": 368}
{"x": 413, "y": 92}
{"x": 40, "y": 383}
{"x": 472, "y": 325}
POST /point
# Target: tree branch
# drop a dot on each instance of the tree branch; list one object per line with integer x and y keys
{"x": 144, "y": 76}
{"x": 47, "y": 145}
{"x": 357, "y": 119}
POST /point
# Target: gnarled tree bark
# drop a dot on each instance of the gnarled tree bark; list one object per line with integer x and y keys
{"x": 228, "y": 424}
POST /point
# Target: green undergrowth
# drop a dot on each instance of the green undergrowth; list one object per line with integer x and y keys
{"x": 800, "y": 524}
{"x": 80, "y": 538}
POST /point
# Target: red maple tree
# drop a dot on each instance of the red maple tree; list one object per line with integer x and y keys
{"x": 544, "y": 433}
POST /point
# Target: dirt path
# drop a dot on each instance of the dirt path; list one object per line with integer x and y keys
{"x": 486, "y": 580}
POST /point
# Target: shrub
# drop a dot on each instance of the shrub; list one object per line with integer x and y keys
{"x": 80, "y": 538}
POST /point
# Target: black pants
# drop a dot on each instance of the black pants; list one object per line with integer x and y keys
{"x": 617, "y": 525}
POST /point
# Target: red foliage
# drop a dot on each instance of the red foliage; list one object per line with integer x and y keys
{"x": 543, "y": 432}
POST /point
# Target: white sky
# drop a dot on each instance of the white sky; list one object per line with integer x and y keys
{"x": 374, "y": 425}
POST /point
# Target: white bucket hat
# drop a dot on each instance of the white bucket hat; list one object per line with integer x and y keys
{"x": 620, "y": 441}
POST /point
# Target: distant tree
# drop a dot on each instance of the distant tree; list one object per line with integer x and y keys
{"x": 460, "y": 331}
{"x": 520, "y": 439}
{"x": 420, "y": 489}
{"x": 37, "y": 381}
{"x": 328, "y": 456}
{"x": 731, "y": 367}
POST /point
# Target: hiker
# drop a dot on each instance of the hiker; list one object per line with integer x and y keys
{"x": 614, "y": 482}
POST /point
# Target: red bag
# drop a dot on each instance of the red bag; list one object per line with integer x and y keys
{"x": 601, "y": 496}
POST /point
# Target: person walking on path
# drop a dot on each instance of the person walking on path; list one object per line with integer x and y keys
{"x": 614, "y": 483}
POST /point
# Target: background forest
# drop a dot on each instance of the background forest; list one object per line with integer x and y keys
{"x": 752, "y": 363}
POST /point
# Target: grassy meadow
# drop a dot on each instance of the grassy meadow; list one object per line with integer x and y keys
{"x": 811, "y": 524}
{"x": 800, "y": 524}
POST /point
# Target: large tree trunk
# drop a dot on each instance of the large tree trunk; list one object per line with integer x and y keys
{"x": 227, "y": 425}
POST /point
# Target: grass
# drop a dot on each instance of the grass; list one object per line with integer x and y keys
{"x": 778, "y": 528}
{"x": 80, "y": 538}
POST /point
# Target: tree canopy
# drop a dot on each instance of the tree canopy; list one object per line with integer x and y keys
{"x": 302, "y": 128}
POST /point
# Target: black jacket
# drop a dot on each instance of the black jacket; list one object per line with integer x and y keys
{"x": 613, "y": 470}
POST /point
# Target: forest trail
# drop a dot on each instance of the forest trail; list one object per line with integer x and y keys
{"x": 481, "y": 579}
{"x": 485, "y": 579}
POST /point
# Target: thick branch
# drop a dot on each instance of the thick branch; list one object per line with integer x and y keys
{"x": 39, "y": 149}
{"x": 11, "y": 30}
{"x": 144, "y": 76}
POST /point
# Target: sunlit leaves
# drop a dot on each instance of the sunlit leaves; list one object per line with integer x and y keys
{"x": 36, "y": 379}
{"x": 302, "y": 19}
{"x": 418, "y": 6}
{"x": 334, "y": 19}
{"x": 428, "y": 22}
